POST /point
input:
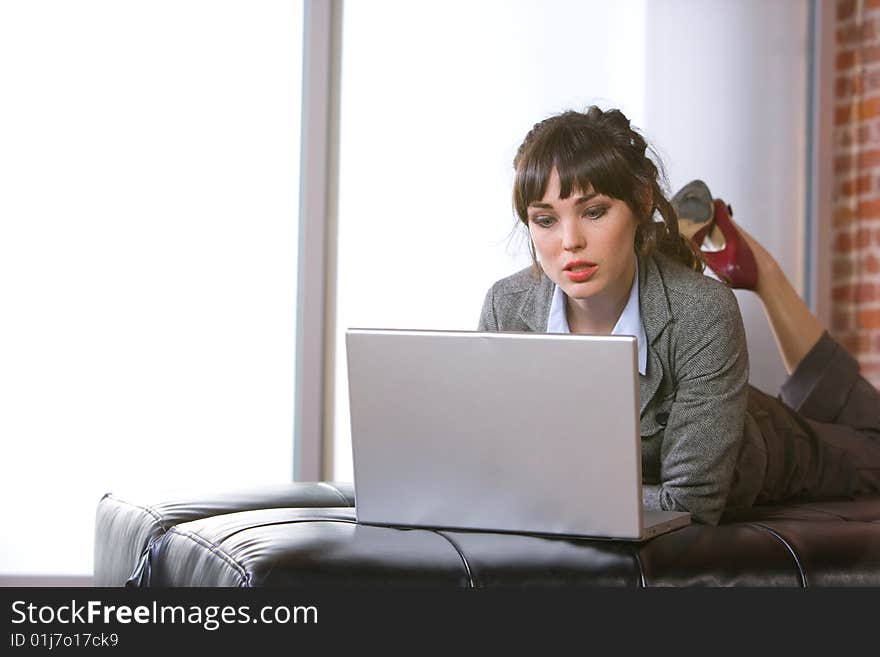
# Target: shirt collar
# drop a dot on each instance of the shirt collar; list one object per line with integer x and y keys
{"x": 629, "y": 322}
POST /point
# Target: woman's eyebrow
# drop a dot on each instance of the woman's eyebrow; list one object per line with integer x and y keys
{"x": 578, "y": 201}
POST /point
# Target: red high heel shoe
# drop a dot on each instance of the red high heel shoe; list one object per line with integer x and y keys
{"x": 734, "y": 263}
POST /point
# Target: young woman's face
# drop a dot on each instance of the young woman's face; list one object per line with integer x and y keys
{"x": 584, "y": 242}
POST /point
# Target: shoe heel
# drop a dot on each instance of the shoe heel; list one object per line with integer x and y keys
{"x": 735, "y": 264}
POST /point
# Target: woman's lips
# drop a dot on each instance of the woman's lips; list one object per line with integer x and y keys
{"x": 581, "y": 274}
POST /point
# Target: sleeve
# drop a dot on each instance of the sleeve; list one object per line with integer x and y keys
{"x": 488, "y": 321}
{"x": 704, "y": 432}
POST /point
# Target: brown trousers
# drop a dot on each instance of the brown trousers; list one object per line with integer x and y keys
{"x": 822, "y": 431}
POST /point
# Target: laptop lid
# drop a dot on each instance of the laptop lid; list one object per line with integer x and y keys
{"x": 523, "y": 432}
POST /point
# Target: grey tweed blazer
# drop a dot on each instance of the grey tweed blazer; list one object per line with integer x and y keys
{"x": 698, "y": 453}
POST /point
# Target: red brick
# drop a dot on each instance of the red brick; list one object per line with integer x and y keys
{"x": 870, "y": 318}
{"x": 853, "y": 240}
{"x": 869, "y": 54}
{"x": 860, "y": 185}
{"x": 869, "y": 108}
{"x": 856, "y": 293}
{"x": 843, "y": 216}
{"x": 843, "y": 294}
{"x": 845, "y": 61}
{"x": 869, "y": 159}
{"x": 846, "y": 35}
{"x": 854, "y": 33}
{"x": 841, "y": 270}
{"x": 843, "y": 87}
{"x": 840, "y": 322}
{"x": 844, "y": 163}
{"x": 843, "y": 114}
{"x": 845, "y": 9}
{"x": 865, "y": 134}
{"x": 868, "y": 292}
{"x": 872, "y": 264}
{"x": 877, "y": 237}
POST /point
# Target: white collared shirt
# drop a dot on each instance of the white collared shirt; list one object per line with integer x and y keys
{"x": 629, "y": 322}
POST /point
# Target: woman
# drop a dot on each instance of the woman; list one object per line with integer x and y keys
{"x": 587, "y": 192}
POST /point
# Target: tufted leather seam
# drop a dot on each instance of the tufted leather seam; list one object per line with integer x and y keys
{"x": 284, "y": 522}
{"x": 335, "y": 490}
{"x": 778, "y": 536}
{"x": 825, "y": 511}
{"x": 246, "y": 575}
{"x": 150, "y": 511}
{"x": 467, "y": 568}
{"x": 215, "y": 549}
{"x": 643, "y": 583}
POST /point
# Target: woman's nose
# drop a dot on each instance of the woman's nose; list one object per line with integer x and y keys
{"x": 573, "y": 238}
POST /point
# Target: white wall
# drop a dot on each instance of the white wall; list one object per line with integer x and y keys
{"x": 436, "y": 98}
{"x": 726, "y": 102}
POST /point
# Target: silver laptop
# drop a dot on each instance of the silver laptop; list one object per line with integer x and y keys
{"x": 518, "y": 432}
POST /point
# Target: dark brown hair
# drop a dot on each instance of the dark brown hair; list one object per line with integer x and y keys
{"x": 600, "y": 149}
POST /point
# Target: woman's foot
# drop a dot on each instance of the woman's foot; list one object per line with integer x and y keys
{"x": 766, "y": 264}
{"x": 707, "y": 223}
{"x": 695, "y": 208}
{"x": 734, "y": 263}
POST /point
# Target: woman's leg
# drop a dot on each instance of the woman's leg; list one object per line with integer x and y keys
{"x": 827, "y": 420}
{"x": 824, "y": 382}
{"x": 794, "y": 326}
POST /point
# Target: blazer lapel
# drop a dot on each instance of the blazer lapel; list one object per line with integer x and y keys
{"x": 535, "y": 306}
{"x": 654, "y": 309}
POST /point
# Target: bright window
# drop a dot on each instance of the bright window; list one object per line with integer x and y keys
{"x": 149, "y": 176}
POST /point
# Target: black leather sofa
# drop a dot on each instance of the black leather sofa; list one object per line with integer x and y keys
{"x": 305, "y": 534}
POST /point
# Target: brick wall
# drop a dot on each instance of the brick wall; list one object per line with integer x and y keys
{"x": 856, "y": 222}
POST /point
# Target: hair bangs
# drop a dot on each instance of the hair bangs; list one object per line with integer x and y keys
{"x": 584, "y": 161}
{"x": 593, "y": 164}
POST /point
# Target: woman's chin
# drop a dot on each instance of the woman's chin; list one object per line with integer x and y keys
{"x": 579, "y": 290}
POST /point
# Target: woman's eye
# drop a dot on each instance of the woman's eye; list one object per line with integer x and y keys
{"x": 544, "y": 221}
{"x": 595, "y": 212}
